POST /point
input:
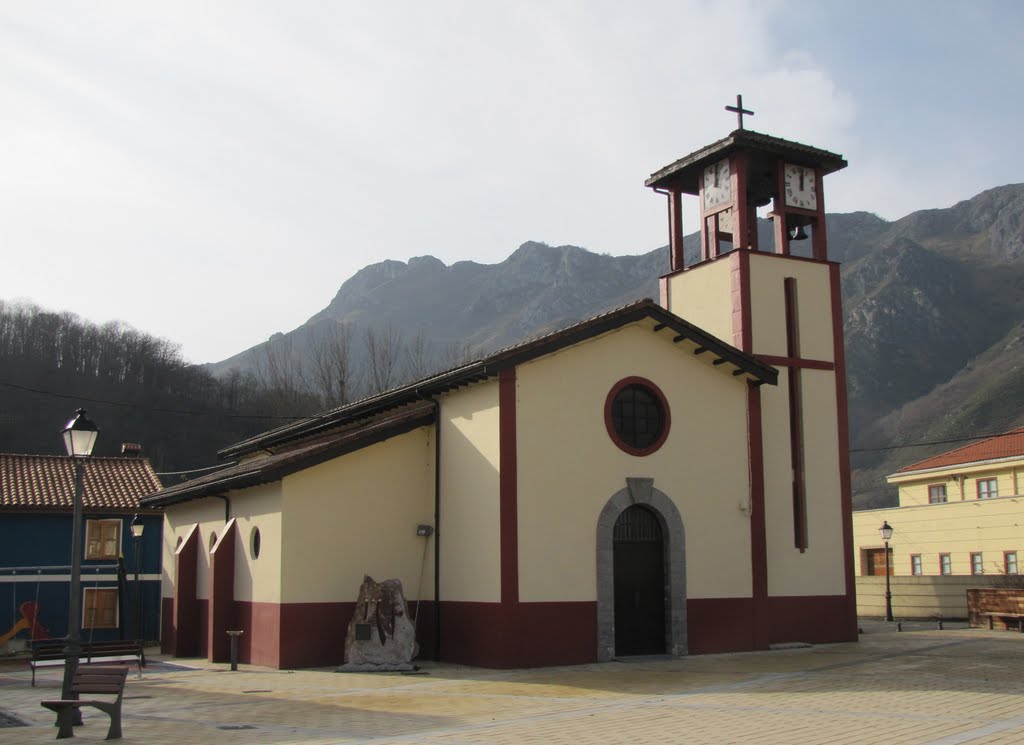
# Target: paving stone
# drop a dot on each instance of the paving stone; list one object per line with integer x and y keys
{"x": 919, "y": 686}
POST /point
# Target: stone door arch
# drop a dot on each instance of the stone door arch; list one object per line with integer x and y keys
{"x": 641, "y": 491}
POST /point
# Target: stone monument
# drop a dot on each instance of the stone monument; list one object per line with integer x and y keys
{"x": 381, "y": 636}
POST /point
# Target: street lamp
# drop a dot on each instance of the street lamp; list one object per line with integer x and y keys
{"x": 137, "y": 538}
{"x": 886, "y": 532}
{"x": 79, "y": 438}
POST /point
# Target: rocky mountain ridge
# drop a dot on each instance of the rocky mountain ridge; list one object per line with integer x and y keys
{"x": 933, "y": 311}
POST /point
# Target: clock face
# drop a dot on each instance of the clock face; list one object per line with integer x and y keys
{"x": 801, "y": 189}
{"x": 717, "y": 184}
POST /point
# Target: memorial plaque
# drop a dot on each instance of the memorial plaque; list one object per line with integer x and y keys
{"x": 363, "y": 632}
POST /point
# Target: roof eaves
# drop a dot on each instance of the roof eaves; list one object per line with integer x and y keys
{"x": 276, "y": 467}
{"x": 741, "y": 139}
{"x": 491, "y": 365}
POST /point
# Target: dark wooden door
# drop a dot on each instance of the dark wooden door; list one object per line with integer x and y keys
{"x": 639, "y": 575}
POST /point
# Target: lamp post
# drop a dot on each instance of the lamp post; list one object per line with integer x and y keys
{"x": 137, "y": 528}
{"x": 886, "y": 532}
{"x": 79, "y": 438}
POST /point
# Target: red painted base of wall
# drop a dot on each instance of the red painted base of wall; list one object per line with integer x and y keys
{"x": 717, "y": 625}
{"x": 527, "y": 635}
{"x": 298, "y": 635}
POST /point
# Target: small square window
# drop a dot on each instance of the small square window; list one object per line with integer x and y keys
{"x": 915, "y": 563}
{"x": 977, "y": 567}
{"x": 945, "y": 564}
{"x": 988, "y": 488}
{"x": 1010, "y": 562}
{"x": 937, "y": 494}
{"x": 100, "y": 608}
{"x": 102, "y": 540}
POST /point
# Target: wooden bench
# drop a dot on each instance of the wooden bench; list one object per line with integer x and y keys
{"x": 992, "y": 615}
{"x": 108, "y": 679}
{"x": 50, "y": 653}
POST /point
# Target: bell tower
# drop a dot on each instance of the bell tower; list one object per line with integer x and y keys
{"x": 783, "y": 306}
{"x": 733, "y": 178}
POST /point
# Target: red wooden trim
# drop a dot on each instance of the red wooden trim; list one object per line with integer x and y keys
{"x": 222, "y": 595}
{"x": 819, "y": 239}
{"x": 779, "y": 210}
{"x": 742, "y": 325}
{"x": 186, "y": 604}
{"x": 675, "y": 216}
{"x": 508, "y": 487}
{"x": 740, "y": 214}
{"x": 610, "y": 425}
{"x": 758, "y": 529}
{"x": 843, "y": 424}
{"x": 796, "y": 430}
{"x": 798, "y": 362}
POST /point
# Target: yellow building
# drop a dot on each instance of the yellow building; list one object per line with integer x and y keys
{"x": 634, "y": 484}
{"x": 960, "y": 513}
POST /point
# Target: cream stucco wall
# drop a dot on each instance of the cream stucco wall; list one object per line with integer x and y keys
{"x": 357, "y": 515}
{"x": 768, "y": 306}
{"x": 569, "y": 467}
{"x": 258, "y": 579}
{"x": 471, "y": 543}
{"x": 702, "y": 296}
{"x": 959, "y": 527}
{"x": 820, "y": 569}
{"x": 961, "y": 481}
{"x": 178, "y": 521}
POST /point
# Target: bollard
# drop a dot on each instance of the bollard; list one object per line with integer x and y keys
{"x": 899, "y": 625}
{"x": 234, "y": 648}
{"x": 940, "y": 624}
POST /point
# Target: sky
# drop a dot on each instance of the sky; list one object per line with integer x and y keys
{"x": 212, "y": 172}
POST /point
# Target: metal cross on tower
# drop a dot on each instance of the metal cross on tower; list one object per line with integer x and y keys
{"x": 740, "y": 111}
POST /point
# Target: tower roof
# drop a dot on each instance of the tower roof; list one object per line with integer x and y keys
{"x": 685, "y": 173}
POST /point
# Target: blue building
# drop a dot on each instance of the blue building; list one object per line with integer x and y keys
{"x": 36, "y": 503}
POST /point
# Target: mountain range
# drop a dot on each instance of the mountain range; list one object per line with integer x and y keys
{"x": 933, "y": 312}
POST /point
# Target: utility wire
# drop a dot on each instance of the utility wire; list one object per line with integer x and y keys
{"x": 195, "y": 412}
{"x": 922, "y": 444}
{"x": 198, "y": 470}
{"x": 163, "y": 410}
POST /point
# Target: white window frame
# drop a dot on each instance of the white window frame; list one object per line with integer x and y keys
{"x": 991, "y": 489}
{"x": 945, "y": 564}
{"x": 977, "y": 563}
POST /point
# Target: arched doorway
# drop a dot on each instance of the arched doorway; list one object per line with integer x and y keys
{"x": 640, "y": 491}
{"x": 639, "y": 582}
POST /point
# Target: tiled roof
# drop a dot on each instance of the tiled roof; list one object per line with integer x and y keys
{"x": 47, "y": 482}
{"x": 1006, "y": 445}
{"x": 685, "y": 172}
{"x": 676, "y": 330}
{"x": 295, "y": 457}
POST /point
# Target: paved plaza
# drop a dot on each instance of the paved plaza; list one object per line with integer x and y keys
{"x": 923, "y": 685}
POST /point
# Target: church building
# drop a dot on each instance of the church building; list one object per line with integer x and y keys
{"x": 669, "y": 477}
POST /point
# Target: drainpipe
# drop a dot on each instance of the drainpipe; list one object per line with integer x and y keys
{"x": 437, "y": 525}
{"x": 227, "y": 506}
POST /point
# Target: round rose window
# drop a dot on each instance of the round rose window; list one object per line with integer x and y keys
{"x": 637, "y": 416}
